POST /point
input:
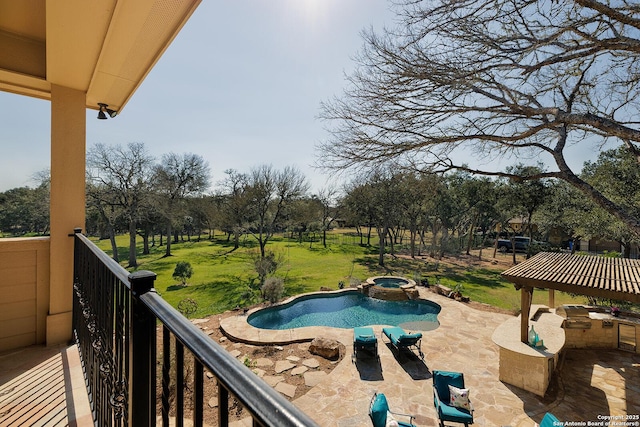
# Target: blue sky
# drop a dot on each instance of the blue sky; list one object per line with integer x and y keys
{"x": 241, "y": 86}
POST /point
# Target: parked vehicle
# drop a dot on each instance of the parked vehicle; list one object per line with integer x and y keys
{"x": 521, "y": 244}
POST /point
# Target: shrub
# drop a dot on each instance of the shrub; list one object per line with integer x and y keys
{"x": 267, "y": 265}
{"x": 183, "y": 271}
{"x": 273, "y": 289}
{"x": 187, "y": 307}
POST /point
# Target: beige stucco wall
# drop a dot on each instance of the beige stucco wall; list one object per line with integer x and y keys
{"x": 24, "y": 291}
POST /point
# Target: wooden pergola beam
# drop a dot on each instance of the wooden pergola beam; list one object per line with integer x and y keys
{"x": 611, "y": 278}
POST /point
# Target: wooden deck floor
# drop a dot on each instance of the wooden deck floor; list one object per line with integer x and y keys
{"x": 43, "y": 386}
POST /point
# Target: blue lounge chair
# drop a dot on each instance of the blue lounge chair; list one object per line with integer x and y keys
{"x": 444, "y": 409}
{"x": 401, "y": 340}
{"x": 378, "y": 409}
{"x": 364, "y": 339}
{"x": 549, "y": 420}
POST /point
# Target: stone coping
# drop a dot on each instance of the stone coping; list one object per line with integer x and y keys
{"x": 238, "y": 328}
{"x": 410, "y": 282}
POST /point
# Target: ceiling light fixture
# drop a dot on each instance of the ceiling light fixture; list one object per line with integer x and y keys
{"x": 108, "y": 111}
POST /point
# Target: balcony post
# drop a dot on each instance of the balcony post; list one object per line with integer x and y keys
{"x": 142, "y": 386}
{"x": 67, "y": 204}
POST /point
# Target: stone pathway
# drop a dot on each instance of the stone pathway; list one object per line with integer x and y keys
{"x": 295, "y": 365}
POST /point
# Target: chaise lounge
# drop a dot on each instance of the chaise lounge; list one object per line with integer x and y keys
{"x": 382, "y": 416}
{"x": 549, "y": 420}
{"x": 402, "y": 340}
{"x": 364, "y": 339}
{"x": 444, "y": 398}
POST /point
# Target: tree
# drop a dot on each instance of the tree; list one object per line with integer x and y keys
{"x": 178, "y": 176}
{"x": 22, "y": 211}
{"x": 235, "y": 206}
{"x": 359, "y": 207}
{"x": 516, "y": 79}
{"x": 330, "y": 208}
{"x": 39, "y": 209}
{"x": 183, "y": 272}
{"x": 120, "y": 177}
{"x": 478, "y": 196}
{"x": 305, "y": 218}
{"x": 569, "y": 211}
{"x": 102, "y": 204}
{"x": 270, "y": 194}
{"x": 616, "y": 174}
{"x": 386, "y": 195}
{"x": 442, "y": 215}
{"x": 26, "y": 210}
{"x": 526, "y": 197}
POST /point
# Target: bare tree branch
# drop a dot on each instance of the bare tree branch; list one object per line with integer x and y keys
{"x": 518, "y": 79}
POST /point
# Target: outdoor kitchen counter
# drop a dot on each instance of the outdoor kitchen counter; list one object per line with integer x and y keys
{"x": 621, "y": 318}
{"x": 604, "y": 331}
{"x": 524, "y": 366}
{"x": 549, "y": 329}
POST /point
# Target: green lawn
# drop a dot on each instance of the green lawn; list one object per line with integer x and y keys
{"x": 223, "y": 278}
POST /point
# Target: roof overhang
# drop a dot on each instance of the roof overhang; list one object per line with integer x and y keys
{"x": 104, "y": 48}
{"x": 596, "y": 276}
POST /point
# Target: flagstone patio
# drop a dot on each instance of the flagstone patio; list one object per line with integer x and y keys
{"x": 591, "y": 384}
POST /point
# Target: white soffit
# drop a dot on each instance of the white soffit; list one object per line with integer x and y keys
{"x": 105, "y": 48}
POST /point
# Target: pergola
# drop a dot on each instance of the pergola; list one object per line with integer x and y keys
{"x": 596, "y": 276}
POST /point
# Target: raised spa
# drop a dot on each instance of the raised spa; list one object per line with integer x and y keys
{"x": 391, "y": 281}
{"x": 347, "y": 310}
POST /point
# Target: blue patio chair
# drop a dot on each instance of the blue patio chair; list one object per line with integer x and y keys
{"x": 445, "y": 410}
{"x": 379, "y": 410}
{"x": 549, "y": 420}
{"x": 401, "y": 340}
{"x": 364, "y": 339}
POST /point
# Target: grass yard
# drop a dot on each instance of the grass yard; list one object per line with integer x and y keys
{"x": 224, "y": 279}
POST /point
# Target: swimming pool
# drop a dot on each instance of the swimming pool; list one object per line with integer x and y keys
{"x": 347, "y": 310}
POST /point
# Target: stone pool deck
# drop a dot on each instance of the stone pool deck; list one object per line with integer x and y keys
{"x": 592, "y": 383}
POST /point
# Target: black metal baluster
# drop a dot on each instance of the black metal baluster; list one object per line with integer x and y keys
{"x": 179, "y": 384}
{"x": 166, "y": 377}
{"x": 223, "y": 405}
{"x": 198, "y": 393}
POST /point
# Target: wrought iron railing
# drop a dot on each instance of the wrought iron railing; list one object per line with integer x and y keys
{"x": 115, "y": 318}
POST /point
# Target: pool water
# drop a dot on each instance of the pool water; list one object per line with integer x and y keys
{"x": 347, "y": 310}
{"x": 390, "y": 282}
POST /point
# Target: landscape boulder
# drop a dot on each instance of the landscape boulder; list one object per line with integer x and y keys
{"x": 325, "y": 347}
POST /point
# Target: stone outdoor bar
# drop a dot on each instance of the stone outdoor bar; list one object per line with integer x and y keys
{"x": 531, "y": 367}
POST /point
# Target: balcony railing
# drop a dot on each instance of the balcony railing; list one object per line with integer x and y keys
{"x": 115, "y": 318}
